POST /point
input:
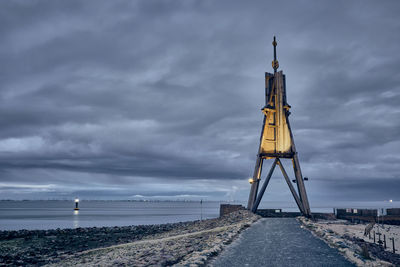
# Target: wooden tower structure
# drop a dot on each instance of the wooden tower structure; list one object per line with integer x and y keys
{"x": 276, "y": 142}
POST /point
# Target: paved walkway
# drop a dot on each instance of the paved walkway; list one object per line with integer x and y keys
{"x": 279, "y": 242}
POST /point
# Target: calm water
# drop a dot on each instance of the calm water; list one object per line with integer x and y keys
{"x": 15, "y": 215}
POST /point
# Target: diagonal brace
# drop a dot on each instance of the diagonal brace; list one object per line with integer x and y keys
{"x": 294, "y": 193}
{"x": 262, "y": 190}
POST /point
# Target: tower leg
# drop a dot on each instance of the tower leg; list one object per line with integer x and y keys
{"x": 265, "y": 184}
{"x": 254, "y": 185}
{"x": 294, "y": 193}
{"x": 300, "y": 185}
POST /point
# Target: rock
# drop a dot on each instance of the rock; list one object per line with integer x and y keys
{"x": 53, "y": 246}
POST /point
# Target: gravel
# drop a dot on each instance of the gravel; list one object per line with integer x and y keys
{"x": 355, "y": 249}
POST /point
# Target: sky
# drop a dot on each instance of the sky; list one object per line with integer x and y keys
{"x": 161, "y": 99}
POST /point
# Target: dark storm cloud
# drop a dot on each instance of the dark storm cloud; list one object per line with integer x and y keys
{"x": 162, "y": 98}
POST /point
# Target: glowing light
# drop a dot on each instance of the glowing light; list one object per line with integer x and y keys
{"x": 76, "y": 212}
{"x": 251, "y": 180}
{"x": 76, "y": 203}
{"x": 391, "y": 200}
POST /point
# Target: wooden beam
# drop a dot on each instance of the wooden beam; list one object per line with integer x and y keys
{"x": 262, "y": 190}
{"x": 254, "y": 185}
{"x": 300, "y": 185}
{"x": 277, "y": 155}
{"x": 297, "y": 172}
{"x": 289, "y": 183}
{"x": 257, "y": 169}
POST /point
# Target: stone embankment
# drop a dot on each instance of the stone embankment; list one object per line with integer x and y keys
{"x": 346, "y": 238}
{"x": 180, "y": 244}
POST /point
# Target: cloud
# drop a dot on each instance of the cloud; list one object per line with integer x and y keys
{"x": 99, "y": 98}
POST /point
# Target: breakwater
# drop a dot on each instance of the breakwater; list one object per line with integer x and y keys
{"x": 164, "y": 244}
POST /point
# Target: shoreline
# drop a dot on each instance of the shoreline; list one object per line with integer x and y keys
{"x": 185, "y": 243}
{"x": 348, "y": 239}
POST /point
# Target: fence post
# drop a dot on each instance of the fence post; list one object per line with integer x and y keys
{"x": 384, "y": 241}
{"x": 394, "y": 250}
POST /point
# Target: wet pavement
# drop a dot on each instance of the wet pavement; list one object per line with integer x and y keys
{"x": 279, "y": 242}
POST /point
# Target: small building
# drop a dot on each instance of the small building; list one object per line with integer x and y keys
{"x": 393, "y": 211}
{"x": 270, "y": 211}
{"x": 368, "y": 212}
{"x": 356, "y": 212}
{"x": 229, "y": 208}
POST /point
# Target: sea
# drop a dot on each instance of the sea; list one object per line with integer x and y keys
{"x": 52, "y": 214}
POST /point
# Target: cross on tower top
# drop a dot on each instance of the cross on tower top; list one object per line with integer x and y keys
{"x": 275, "y": 63}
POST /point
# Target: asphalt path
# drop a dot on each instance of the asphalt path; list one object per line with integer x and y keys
{"x": 279, "y": 242}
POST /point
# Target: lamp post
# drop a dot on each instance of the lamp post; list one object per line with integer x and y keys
{"x": 201, "y": 209}
{"x": 76, "y": 204}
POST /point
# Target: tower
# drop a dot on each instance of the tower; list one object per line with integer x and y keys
{"x": 76, "y": 203}
{"x": 276, "y": 142}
